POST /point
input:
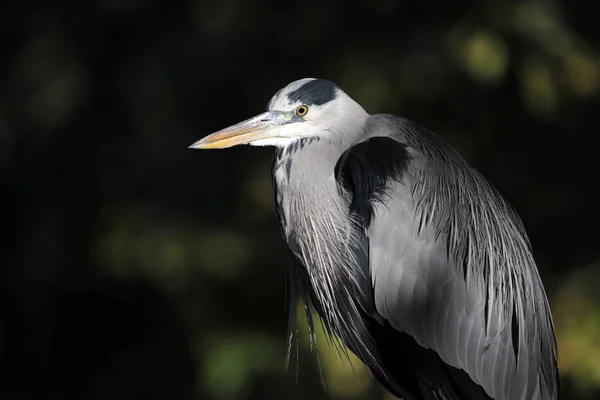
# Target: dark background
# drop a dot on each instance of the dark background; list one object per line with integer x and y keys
{"x": 134, "y": 268}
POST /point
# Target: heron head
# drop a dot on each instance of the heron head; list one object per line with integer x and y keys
{"x": 304, "y": 108}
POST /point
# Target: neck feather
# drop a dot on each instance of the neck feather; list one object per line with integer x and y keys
{"x": 319, "y": 228}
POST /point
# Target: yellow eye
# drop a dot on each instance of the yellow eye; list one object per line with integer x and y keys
{"x": 301, "y": 111}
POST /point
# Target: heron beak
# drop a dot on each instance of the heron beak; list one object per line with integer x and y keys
{"x": 255, "y": 128}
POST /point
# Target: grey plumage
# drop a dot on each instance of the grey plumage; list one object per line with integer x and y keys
{"x": 406, "y": 252}
{"x": 480, "y": 284}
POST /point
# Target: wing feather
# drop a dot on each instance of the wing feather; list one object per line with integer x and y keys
{"x": 451, "y": 266}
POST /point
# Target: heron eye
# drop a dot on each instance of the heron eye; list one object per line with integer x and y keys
{"x": 301, "y": 111}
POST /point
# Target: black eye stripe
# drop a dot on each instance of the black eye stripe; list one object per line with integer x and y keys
{"x": 315, "y": 92}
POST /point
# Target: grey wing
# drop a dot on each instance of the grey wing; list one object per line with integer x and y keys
{"x": 451, "y": 266}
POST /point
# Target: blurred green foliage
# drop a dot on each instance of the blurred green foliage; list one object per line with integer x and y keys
{"x": 133, "y": 267}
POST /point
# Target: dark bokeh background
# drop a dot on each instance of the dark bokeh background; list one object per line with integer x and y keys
{"x": 134, "y": 268}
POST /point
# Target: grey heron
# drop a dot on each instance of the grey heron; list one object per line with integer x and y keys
{"x": 408, "y": 254}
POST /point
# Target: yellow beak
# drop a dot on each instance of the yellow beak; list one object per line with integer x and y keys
{"x": 255, "y": 128}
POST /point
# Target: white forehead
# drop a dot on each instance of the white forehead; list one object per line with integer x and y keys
{"x": 281, "y": 101}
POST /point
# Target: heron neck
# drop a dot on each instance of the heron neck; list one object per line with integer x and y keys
{"x": 307, "y": 166}
{"x": 320, "y": 232}
{"x": 307, "y": 190}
